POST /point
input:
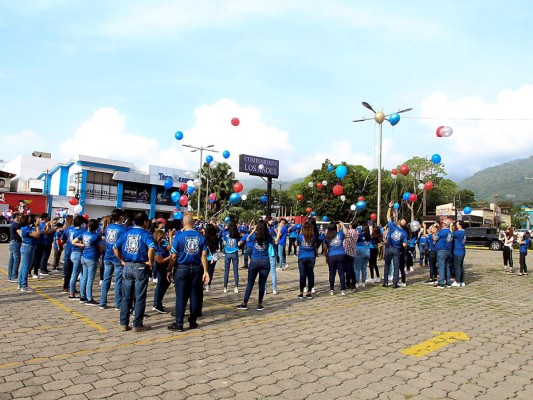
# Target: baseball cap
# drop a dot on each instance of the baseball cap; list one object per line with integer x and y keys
{"x": 161, "y": 220}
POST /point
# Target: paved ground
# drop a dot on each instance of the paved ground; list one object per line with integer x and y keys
{"x": 331, "y": 347}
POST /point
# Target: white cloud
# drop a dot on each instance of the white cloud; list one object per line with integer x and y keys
{"x": 485, "y": 133}
{"x": 23, "y": 142}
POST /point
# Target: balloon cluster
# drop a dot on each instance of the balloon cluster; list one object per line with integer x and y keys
{"x": 7, "y": 214}
{"x": 61, "y": 213}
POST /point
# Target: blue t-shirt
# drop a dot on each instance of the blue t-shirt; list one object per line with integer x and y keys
{"x": 247, "y": 242}
{"x": 111, "y": 234}
{"x": 525, "y": 246}
{"x": 307, "y": 250}
{"x": 232, "y": 245}
{"x": 444, "y": 240}
{"x": 422, "y": 241}
{"x": 396, "y": 236}
{"x": 431, "y": 242}
{"x": 66, "y": 239}
{"x": 13, "y": 234}
{"x": 76, "y": 233}
{"x": 189, "y": 246}
{"x": 283, "y": 237}
{"x": 459, "y": 239}
{"x": 293, "y": 232}
{"x": 412, "y": 241}
{"x": 362, "y": 241}
{"x": 335, "y": 246}
{"x": 162, "y": 249}
{"x": 134, "y": 244}
{"x": 260, "y": 252}
{"x": 25, "y": 232}
{"x": 57, "y": 235}
{"x": 91, "y": 243}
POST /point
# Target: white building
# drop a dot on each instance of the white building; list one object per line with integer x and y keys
{"x": 27, "y": 169}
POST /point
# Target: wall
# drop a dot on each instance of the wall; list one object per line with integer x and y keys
{"x": 36, "y": 203}
{"x": 97, "y": 211}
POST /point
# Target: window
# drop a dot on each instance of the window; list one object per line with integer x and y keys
{"x": 101, "y": 186}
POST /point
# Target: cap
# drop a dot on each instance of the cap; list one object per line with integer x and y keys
{"x": 161, "y": 220}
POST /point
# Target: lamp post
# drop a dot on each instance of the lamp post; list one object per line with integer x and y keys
{"x": 201, "y": 149}
{"x": 280, "y": 186}
{"x": 379, "y": 117}
{"x": 494, "y": 210}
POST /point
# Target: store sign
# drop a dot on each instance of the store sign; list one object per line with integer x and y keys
{"x": 258, "y": 166}
{"x": 175, "y": 178}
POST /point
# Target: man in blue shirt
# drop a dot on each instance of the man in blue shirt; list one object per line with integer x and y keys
{"x": 395, "y": 241}
{"x": 189, "y": 255}
{"x": 443, "y": 244}
{"x": 135, "y": 250}
{"x": 281, "y": 240}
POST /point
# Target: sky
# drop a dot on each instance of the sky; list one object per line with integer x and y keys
{"x": 116, "y": 79}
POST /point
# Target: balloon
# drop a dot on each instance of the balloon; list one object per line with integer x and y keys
{"x": 341, "y": 171}
{"x": 406, "y": 195}
{"x": 235, "y": 198}
{"x": 313, "y": 214}
{"x": 310, "y": 184}
{"x": 300, "y": 197}
{"x": 86, "y": 216}
{"x": 209, "y": 159}
{"x": 325, "y": 183}
{"x": 190, "y": 183}
{"x": 428, "y": 185}
{"x": 343, "y": 198}
{"x": 393, "y": 176}
{"x": 319, "y": 185}
{"x": 175, "y": 196}
{"x": 226, "y": 154}
{"x": 360, "y": 205}
{"x": 213, "y": 165}
{"x": 184, "y": 200}
{"x": 190, "y": 189}
{"x": 308, "y": 210}
{"x": 337, "y": 190}
{"x": 404, "y": 169}
{"x": 396, "y": 206}
{"x": 436, "y": 159}
{"x": 414, "y": 225}
{"x": 237, "y": 188}
{"x": 352, "y": 207}
{"x": 168, "y": 183}
{"x": 264, "y": 199}
{"x": 78, "y": 208}
{"x": 183, "y": 187}
{"x": 394, "y": 172}
{"x": 73, "y": 201}
{"x": 235, "y": 121}
{"x": 178, "y": 135}
{"x": 394, "y": 118}
{"x": 379, "y": 117}
{"x": 467, "y": 210}
{"x": 373, "y": 216}
{"x": 325, "y": 218}
{"x": 227, "y": 219}
{"x": 261, "y": 167}
{"x": 330, "y": 168}
{"x": 211, "y": 201}
{"x": 413, "y": 197}
{"x": 438, "y": 131}
{"x": 178, "y": 215}
{"x": 244, "y": 197}
{"x": 444, "y": 131}
{"x": 213, "y": 196}
{"x": 361, "y": 198}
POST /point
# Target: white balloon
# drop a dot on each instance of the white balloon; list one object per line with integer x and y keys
{"x": 310, "y": 184}
{"x": 190, "y": 183}
{"x": 343, "y": 198}
{"x": 197, "y": 183}
{"x": 414, "y": 225}
{"x": 325, "y": 183}
{"x": 352, "y": 207}
{"x": 244, "y": 197}
{"x": 420, "y": 186}
{"x": 446, "y": 131}
{"x": 213, "y": 164}
{"x": 78, "y": 208}
{"x": 261, "y": 167}
{"x": 394, "y": 176}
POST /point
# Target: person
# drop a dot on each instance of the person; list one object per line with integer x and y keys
{"x": 375, "y": 241}
{"x": 161, "y": 260}
{"x": 189, "y": 255}
{"x": 459, "y": 253}
{"x": 335, "y": 255}
{"x": 281, "y": 241}
{"x": 396, "y": 240}
{"x": 135, "y": 250}
{"x": 112, "y": 234}
{"x": 508, "y": 241}
{"x": 272, "y": 254}
{"x": 247, "y": 250}
{"x": 67, "y": 249}
{"x": 432, "y": 252}
{"x": 362, "y": 255}
{"x": 58, "y": 246}
{"x": 14, "y": 249}
{"x": 293, "y": 236}
{"x": 423, "y": 248}
{"x": 306, "y": 242}
{"x": 410, "y": 253}
{"x": 524, "y": 243}
{"x": 29, "y": 231}
{"x": 211, "y": 239}
{"x": 75, "y": 256}
{"x": 48, "y": 230}
{"x": 259, "y": 264}
{"x": 321, "y": 240}
{"x": 89, "y": 242}
{"x": 443, "y": 244}
{"x": 350, "y": 243}
{"x": 231, "y": 239}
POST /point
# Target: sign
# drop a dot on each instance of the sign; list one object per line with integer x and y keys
{"x": 258, "y": 166}
{"x": 25, "y": 203}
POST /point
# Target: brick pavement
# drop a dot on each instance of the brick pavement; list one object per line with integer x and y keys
{"x": 331, "y": 347}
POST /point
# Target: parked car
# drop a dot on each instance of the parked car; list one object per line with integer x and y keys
{"x": 4, "y": 233}
{"x": 520, "y": 232}
{"x": 487, "y": 237}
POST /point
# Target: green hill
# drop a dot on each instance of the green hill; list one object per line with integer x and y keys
{"x": 512, "y": 181}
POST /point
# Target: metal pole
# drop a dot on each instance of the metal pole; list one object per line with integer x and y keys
{"x": 269, "y": 197}
{"x": 206, "y": 195}
{"x": 379, "y": 174}
{"x": 199, "y": 177}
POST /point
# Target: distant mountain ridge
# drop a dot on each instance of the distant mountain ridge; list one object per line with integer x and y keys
{"x": 511, "y": 181}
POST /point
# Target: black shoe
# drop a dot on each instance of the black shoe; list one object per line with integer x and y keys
{"x": 385, "y": 285}
{"x": 160, "y": 310}
{"x": 260, "y": 307}
{"x": 242, "y": 307}
{"x": 395, "y": 286}
{"x": 309, "y": 296}
{"x": 175, "y": 327}
{"x": 300, "y": 296}
{"x": 193, "y": 325}
{"x": 83, "y": 300}
{"x": 91, "y": 303}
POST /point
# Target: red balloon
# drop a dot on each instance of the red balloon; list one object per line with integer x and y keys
{"x": 183, "y": 187}
{"x": 361, "y": 198}
{"x": 235, "y": 121}
{"x": 300, "y": 197}
{"x": 86, "y": 216}
{"x": 73, "y": 201}
{"x": 438, "y": 131}
{"x": 184, "y": 200}
{"x": 238, "y": 187}
{"x": 319, "y": 185}
{"x": 404, "y": 169}
{"x": 413, "y": 197}
{"x": 428, "y": 185}
{"x": 308, "y": 210}
{"x": 394, "y": 172}
{"x": 337, "y": 190}
{"x": 373, "y": 216}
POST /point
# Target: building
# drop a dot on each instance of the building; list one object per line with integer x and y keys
{"x": 489, "y": 217}
{"x": 26, "y": 169}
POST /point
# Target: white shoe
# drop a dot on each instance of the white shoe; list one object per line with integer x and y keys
{"x": 357, "y": 285}
{"x": 343, "y": 293}
{"x": 274, "y": 292}
{"x": 150, "y": 279}
{"x": 462, "y": 284}
{"x": 36, "y": 277}
{"x": 305, "y": 290}
{"x": 377, "y": 280}
{"x": 331, "y": 293}
{"x": 207, "y": 288}
{"x": 455, "y": 284}
{"x": 101, "y": 283}
{"x": 154, "y": 280}
{"x": 313, "y": 291}
{"x": 236, "y": 290}
{"x": 225, "y": 290}
{"x": 401, "y": 284}
{"x": 362, "y": 285}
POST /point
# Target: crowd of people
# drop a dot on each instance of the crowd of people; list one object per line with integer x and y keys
{"x": 129, "y": 252}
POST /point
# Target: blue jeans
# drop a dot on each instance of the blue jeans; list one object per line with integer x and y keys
{"x": 459, "y": 268}
{"x": 134, "y": 288}
{"x": 188, "y": 285}
{"x": 337, "y": 264}
{"x": 14, "y": 260}
{"x": 257, "y": 267}
{"x": 362, "y": 255}
{"x": 273, "y": 277}
{"x": 47, "y": 250}
{"x": 89, "y": 268}
{"x": 227, "y": 259}
{"x": 27, "y": 252}
{"x": 307, "y": 272}
{"x": 109, "y": 267}
{"x": 75, "y": 257}
{"x": 392, "y": 254}
{"x": 281, "y": 254}
{"x": 443, "y": 267}
{"x": 162, "y": 284}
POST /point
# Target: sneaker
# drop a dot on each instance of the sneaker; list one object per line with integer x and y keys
{"x": 175, "y": 327}
{"x": 362, "y": 285}
{"x": 92, "y": 303}
{"x": 142, "y": 328}
{"x": 462, "y": 284}
{"x": 401, "y": 284}
{"x": 74, "y": 297}
{"x": 124, "y": 328}
{"x": 357, "y": 285}
{"x": 309, "y": 296}
{"x": 236, "y": 290}
{"x": 520, "y": 274}
{"x": 429, "y": 282}
{"x": 455, "y": 284}
{"x": 14, "y": 281}
{"x": 44, "y": 273}
{"x": 150, "y": 279}
{"x": 160, "y": 310}
{"x": 343, "y": 292}
{"x": 440, "y": 286}
{"x": 225, "y": 290}
{"x": 331, "y": 293}
{"x": 208, "y": 288}
{"x": 155, "y": 280}
{"x": 305, "y": 289}
{"x": 525, "y": 274}
{"x": 278, "y": 269}
{"x": 27, "y": 289}
{"x": 36, "y": 277}
{"x": 102, "y": 306}
{"x": 242, "y": 306}
{"x": 117, "y": 308}
{"x": 313, "y": 290}
{"x": 370, "y": 280}
{"x": 377, "y": 279}
{"x": 18, "y": 287}
{"x": 83, "y": 300}
{"x": 101, "y": 283}
{"x": 260, "y": 307}
{"x": 301, "y": 296}
{"x": 274, "y": 291}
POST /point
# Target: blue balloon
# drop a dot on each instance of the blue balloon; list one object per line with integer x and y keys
{"x": 226, "y": 154}
{"x": 406, "y": 196}
{"x": 394, "y": 119}
{"x": 178, "y": 135}
{"x": 341, "y": 171}
{"x": 211, "y": 201}
{"x": 313, "y": 214}
{"x": 396, "y": 206}
{"x": 168, "y": 183}
{"x": 263, "y": 199}
{"x": 360, "y": 205}
{"x": 175, "y": 196}
{"x": 178, "y": 215}
{"x": 235, "y": 198}
{"x": 330, "y": 168}
{"x": 190, "y": 189}
{"x": 467, "y": 210}
{"x": 325, "y": 218}
{"x": 209, "y": 159}
{"x": 436, "y": 159}
{"x": 227, "y": 219}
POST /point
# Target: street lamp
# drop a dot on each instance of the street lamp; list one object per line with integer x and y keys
{"x": 494, "y": 210}
{"x": 379, "y": 117}
{"x": 201, "y": 149}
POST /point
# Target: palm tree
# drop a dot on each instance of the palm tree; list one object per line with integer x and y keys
{"x": 219, "y": 180}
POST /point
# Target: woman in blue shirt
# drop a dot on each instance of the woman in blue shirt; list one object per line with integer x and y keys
{"x": 231, "y": 239}
{"x": 306, "y": 259}
{"x": 335, "y": 255}
{"x": 29, "y": 232}
{"x": 432, "y": 252}
{"x": 524, "y": 243}
{"x": 89, "y": 241}
{"x": 375, "y": 240}
{"x": 162, "y": 257}
{"x": 362, "y": 255}
{"x": 459, "y": 253}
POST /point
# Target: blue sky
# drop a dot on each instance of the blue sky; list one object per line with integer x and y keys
{"x": 117, "y": 78}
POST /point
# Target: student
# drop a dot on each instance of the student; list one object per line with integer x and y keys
{"x": 75, "y": 256}
{"x": 281, "y": 241}
{"x": 293, "y": 236}
{"x": 14, "y": 249}
{"x": 508, "y": 241}
{"x": 423, "y": 248}
{"x": 524, "y": 243}
{"x": 335, "y": 255}
{"x": 362, "y": 256}
{"x": 306, "y": 242}
{"x": 375, "y": 241}
{"x": 212, "y": 255}
{"x": 350, "y": 243}
{"x": 67, "y": 250}
{"x": 443, "y": 244}
{"x": 161, "y": 260}
{"x": 396, "y": 241}
{"x": 29, "y": 232}
{"x": 231, "y": 239}
{"x": 58, "y": 246}
{"x": 89, "y": 242}
{"x": 459, "y": 253}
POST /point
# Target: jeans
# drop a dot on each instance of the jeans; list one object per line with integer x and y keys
{"x": 188, "y": 284}
{"x": 247, "y": 255}
{"x": 162, "y": 284}
{"x": 362, "y": 255}
{"x": 109, "y": 267}
{"x": 523, "y": 265}
{"x": 134, "y": 288}
{"x": 392, "y": 254}
{"x": 57, "y": 257}
{"x": 273, "y": 276}
{"x": 211, "y": 270}
{"x": 38, "y": 255}
{"x": 350, "y": 272}
{"x": 281, "y": 254}
{"x": 27, "y": 252}
{"x": 508, "y": 256}
{"x": 336, "y": 264}
{"x": 87, "y": 277}
{"x": 14, "y": 260}
{"x": 229, "y": 257}
{"x": 75, "y": 257}
{"x": 443, "y": 267}
{"x": 373, "y": 262}
{"x": 432, "y": 255}
{"x": 458, "y": 264}
{"x": 259, "y": 267}
{"x": 422, "y": 250}
{"x": 307, "y": 272}
{"x": 67, "y": 270}
{"x": 47, "y": 249}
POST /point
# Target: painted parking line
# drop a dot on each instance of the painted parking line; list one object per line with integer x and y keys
{"x": 428, "y": 346}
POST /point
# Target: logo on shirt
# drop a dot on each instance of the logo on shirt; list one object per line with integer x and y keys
{"x": 307, "y": 245}
{"x": 192, "y": 245}
{"x": 232, "y": 243}
{"x": 86, "y": 241}
{"x": 396, "y": 236}
{"x": 449, "y": 238}
{"x": 258, "y": 247}
{"x": 133, "y": 244}
{"x": 336, "y": 242}
{"x": 111, "y": 236}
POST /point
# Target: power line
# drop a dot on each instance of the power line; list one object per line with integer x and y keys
{"x": 472, "y": 119}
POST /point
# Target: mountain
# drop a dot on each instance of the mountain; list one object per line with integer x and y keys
{"x": 512, "y": 181}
